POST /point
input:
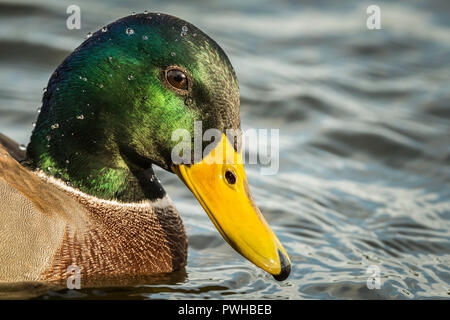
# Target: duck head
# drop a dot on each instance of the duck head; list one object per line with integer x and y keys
{"x": 110, "y": 111}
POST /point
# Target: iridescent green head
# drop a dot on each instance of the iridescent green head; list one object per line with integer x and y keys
{"x": 110, "y": 108}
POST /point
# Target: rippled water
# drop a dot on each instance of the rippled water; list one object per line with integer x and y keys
{"x": 364, "y": 119}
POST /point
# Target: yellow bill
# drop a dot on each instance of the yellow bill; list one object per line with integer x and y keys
{"x": 220, "y": 185}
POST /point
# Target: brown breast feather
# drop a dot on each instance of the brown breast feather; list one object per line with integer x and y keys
{"x": 46, "y": 226}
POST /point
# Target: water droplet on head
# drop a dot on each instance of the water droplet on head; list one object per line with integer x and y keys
{"x": 129, "y": 31}
{"x": 44, "y": 89}
{"x": 38, "y": 110}
{"x": 184, "y": 31}
{"x": 130, "y": 77}
{"x": 54, "y": 126}
{"x": 173, "y": 54}
{"x": 48, "y": 138}
{"x": 67, "y": 161}
{"x": 145, "y": 37}
{"x": 22, "y": 147}
{"x": 89, "y": 34}
{"x": 33, "y": 124}
{"x": 80, "y": 117}
{"x": 104, "y": 29}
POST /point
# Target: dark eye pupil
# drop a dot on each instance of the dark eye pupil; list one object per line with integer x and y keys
{"x": 230, "y": 176}
{"x": 177, "y": 79}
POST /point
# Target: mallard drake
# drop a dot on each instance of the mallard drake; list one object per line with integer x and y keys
{"x": 85, "y": 194}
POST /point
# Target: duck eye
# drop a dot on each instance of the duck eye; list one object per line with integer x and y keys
{"x": 177, "y": 79}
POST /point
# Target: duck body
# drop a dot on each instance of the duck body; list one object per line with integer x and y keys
{"x": 47, "y": 226}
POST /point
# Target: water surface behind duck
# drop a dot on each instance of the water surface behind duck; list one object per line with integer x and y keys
{"x": 364, "y": 119}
